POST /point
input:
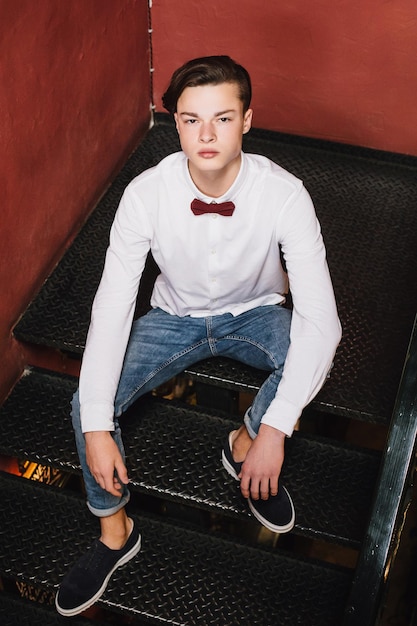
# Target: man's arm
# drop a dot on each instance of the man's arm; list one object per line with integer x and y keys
{"x": 112, "y": 314}
{"x": 110, "y": 326}
{"x": 314, "y": 336}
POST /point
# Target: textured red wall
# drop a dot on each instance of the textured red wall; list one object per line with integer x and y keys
{"x": 342, "y": 70}
{"x": 74, "y": 100}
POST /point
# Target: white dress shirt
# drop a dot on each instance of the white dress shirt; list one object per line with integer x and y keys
{"x": 210, "y": 265}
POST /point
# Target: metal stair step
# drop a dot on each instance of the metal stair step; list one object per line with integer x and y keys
{"x": 181, "y": 576}
{"x": 173, "y": 452}
{"x": 17, "y": 611}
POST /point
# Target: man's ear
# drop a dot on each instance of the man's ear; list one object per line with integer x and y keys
{"x": 176, "y": 121}
{"x": 247, "y": 121}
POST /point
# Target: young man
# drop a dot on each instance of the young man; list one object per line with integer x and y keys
{"x": 215, "y": 220}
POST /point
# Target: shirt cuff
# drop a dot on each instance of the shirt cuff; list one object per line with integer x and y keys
{"x": 282, "y": 415}
{"x": 97, "y": 416}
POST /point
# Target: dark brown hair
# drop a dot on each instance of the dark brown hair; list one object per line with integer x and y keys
{"x": 212, "y": 70}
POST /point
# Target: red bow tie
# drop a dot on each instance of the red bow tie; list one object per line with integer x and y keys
{"x": 199, "y": 207}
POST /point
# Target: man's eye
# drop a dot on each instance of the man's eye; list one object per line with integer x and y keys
{"x": 190, "y": 121}
{"x": 224, "y": 119}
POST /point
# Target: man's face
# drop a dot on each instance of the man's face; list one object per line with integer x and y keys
{"x": 210, "y": 124}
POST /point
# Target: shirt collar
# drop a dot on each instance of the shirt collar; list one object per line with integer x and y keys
{"x": 230, "y": 194}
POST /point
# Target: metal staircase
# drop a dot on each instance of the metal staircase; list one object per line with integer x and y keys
{"x": 204, "y": 559}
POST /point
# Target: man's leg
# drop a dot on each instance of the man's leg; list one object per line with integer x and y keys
{"x": 160, "y": 346}
{"x": 259, "y": 338}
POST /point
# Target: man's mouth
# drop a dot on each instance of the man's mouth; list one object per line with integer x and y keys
{"x": 207, "y": 154}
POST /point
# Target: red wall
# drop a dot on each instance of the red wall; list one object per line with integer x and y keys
{"x": 74, "y": 100}
{"x": 343, "y": 70}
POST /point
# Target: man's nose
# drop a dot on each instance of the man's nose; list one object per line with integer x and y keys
{"x": 207, "y": 133}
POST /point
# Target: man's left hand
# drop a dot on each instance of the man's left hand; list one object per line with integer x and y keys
{"x": 263, "y": 462}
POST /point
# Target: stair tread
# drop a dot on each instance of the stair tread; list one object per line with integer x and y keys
{"x": 173, "y": 451}
{"x": 181, "y": 576}
{"x": 16, "y": 611}
{"x": 376, "y": 306}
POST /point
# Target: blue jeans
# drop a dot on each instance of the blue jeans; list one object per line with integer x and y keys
{"x": 163, "y": 345}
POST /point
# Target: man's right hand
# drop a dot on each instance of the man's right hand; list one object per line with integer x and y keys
{"x": 105, "y": 461}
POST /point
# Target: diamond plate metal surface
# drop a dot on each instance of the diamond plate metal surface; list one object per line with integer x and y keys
{"x": 15, "y": 611}
{"x": 180, "y": 577}
{"x": 173, "y": 451}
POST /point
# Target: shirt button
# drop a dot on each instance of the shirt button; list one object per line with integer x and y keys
{"x": 214, "y": 216}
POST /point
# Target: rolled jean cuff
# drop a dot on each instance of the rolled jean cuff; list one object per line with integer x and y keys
{"x": 247, "y": 422}
{"x": 112, "y": 510}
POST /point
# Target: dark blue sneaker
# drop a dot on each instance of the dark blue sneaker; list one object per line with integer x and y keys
{"x": 87, "y": 580}
{"x": 231, "y": 466}
{"x": 277, "y": 512}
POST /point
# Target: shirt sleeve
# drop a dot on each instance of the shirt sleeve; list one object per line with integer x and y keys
{"x": 112, "y": 314}
{"x": 315, "y": 328}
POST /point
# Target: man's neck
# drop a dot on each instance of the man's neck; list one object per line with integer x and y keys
{"x": 214, "y": 183}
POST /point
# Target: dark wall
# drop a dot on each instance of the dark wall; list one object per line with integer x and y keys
{"x": 74, "y": 100}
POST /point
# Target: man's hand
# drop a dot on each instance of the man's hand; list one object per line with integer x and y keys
{"x": 105, "y": 461}
{"x": 263, "y": 462}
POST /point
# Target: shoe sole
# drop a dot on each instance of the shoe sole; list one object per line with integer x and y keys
{"x": 226, "y": 464}
{"x": 229, "y": 468}
{"x": 83, "y": 607}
